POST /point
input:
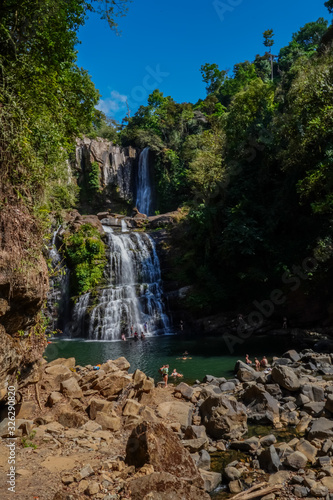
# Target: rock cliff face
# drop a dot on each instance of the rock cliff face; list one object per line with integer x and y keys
{"x": 23, "y": 289}
{"x": 117, "y": 166}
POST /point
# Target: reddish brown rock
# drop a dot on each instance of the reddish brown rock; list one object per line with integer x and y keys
{"x": 154, "y": 444}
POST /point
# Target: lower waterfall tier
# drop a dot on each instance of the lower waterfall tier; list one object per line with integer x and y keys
{"x": 132, "y": 301}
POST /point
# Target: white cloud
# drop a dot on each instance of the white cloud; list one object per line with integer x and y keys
{"x": 118, "y": 96}
{"x": 112, "y": 104}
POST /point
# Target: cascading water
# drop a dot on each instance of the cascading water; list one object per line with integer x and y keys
{"x": 77, "y": 327}
{"x": 144, "y": 191}
{"x": 134, "y": 296}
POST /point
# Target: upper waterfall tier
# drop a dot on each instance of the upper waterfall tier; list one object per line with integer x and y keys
{"x": 132, "y": 301}
{"x": 144, "y": 190}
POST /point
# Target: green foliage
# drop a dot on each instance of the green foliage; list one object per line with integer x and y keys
{"x": 93, "y": 177}
{"x": 212, "y": 77}
{"x": 85, "y": 253}
{"x": 104, "y": 127}
{"x": 253, "y": 162}
{"x": 329, "y": 5}
{"x": 27, "y": 441}
{"x": 268, "y": 39}
{"x": 304, "y": 43}
{"x": 46, "y": 99}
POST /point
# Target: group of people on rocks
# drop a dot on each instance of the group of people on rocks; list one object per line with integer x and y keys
{"x": 134, "y": 334}
{"x": 263, "y": 364}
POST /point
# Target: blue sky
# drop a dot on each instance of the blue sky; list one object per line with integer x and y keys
{"x": 163, "y": 45}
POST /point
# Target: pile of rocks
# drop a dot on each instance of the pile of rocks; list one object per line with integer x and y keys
{"x": 295, "y": 393}
{"x": 118, "y": 431}
{"x": 120, "y": 436}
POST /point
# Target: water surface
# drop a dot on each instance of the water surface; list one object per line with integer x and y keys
{"x": 209, "y": 355}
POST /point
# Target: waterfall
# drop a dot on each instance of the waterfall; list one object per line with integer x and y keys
{"x": 134, "y": 295}
{"x": 77, "y": 326}
{"x": 144, "y": 194}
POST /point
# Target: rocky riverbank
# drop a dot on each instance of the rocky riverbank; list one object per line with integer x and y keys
{"x": 107, "y": 434}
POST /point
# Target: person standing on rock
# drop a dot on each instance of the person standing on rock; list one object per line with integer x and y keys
{"x": 165, "y": 374}
{"x": 257, "y": 363}
{"x": 247, "y": 360}
{"x": 264, "y": 362}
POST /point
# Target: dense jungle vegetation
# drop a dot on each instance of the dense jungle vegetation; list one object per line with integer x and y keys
{"x": 46, "y": 100}
{"x": 251, "y": 163}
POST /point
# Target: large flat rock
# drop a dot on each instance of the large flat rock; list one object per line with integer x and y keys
{"x": 177, "y": 411}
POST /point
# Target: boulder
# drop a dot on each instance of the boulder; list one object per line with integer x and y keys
{"x": 301, "y": 491}
{"x": 286, "y": 378}
{"x": 269, "y": 460}
{"x": 138, "y": 378}
{"x": 107, "y": 422}
{"x": 235, "y": 486}
{"x": 274, "y": 390}
{"x": 227, "y": 386}
{"x": 314, "y": 409}
{"x": 164, "y": 486}
{"x": 185, "y": 390}
{"x": 177, "y": 411}
{"x": 194, "y": 445}
{"x": 307, "y": 449}
{"x": 91, "y": 426}
{"x": 223, "y": 417}
{"x": 321, "y": 429}
{"x": 251, "y": 444}
{"x": 296, "y": 460}
{"x": 154, "y": 444}
{"x": 54, "y": 398}
{"x": 99, "y": 405}
{"x": 122, "y": 364}
{"x": 116, "y": 383}
{"x": 303, "y": 425}
{"x": 293, "y": 355}
{"x": 261, "y": 402}
{"x": 245, "y": 375}
{"x": 195, "y": 432}
{"x": 147, "y": 385}
{"x": 93, "y": 488}
{"x": 26, "y": 409}
{"x": 211, "y": 479}
{"x": 204, "y": 460}
{"x": 232, "y": 473}
{"x": 131, "y": 408}
{"x": 302, "y": 400}
{"x": 319, "y": 490}
{"x": 313, "y": 392}
{"x": 59, "y": 372}
{"x": 329, "y": 403}
{"x": 328, "y": 482}
{"x": 210, "y": 390}
{"x": 267, "y": 440}
{"x": 69, "y": 362}
{"x": 71, "y": 388}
